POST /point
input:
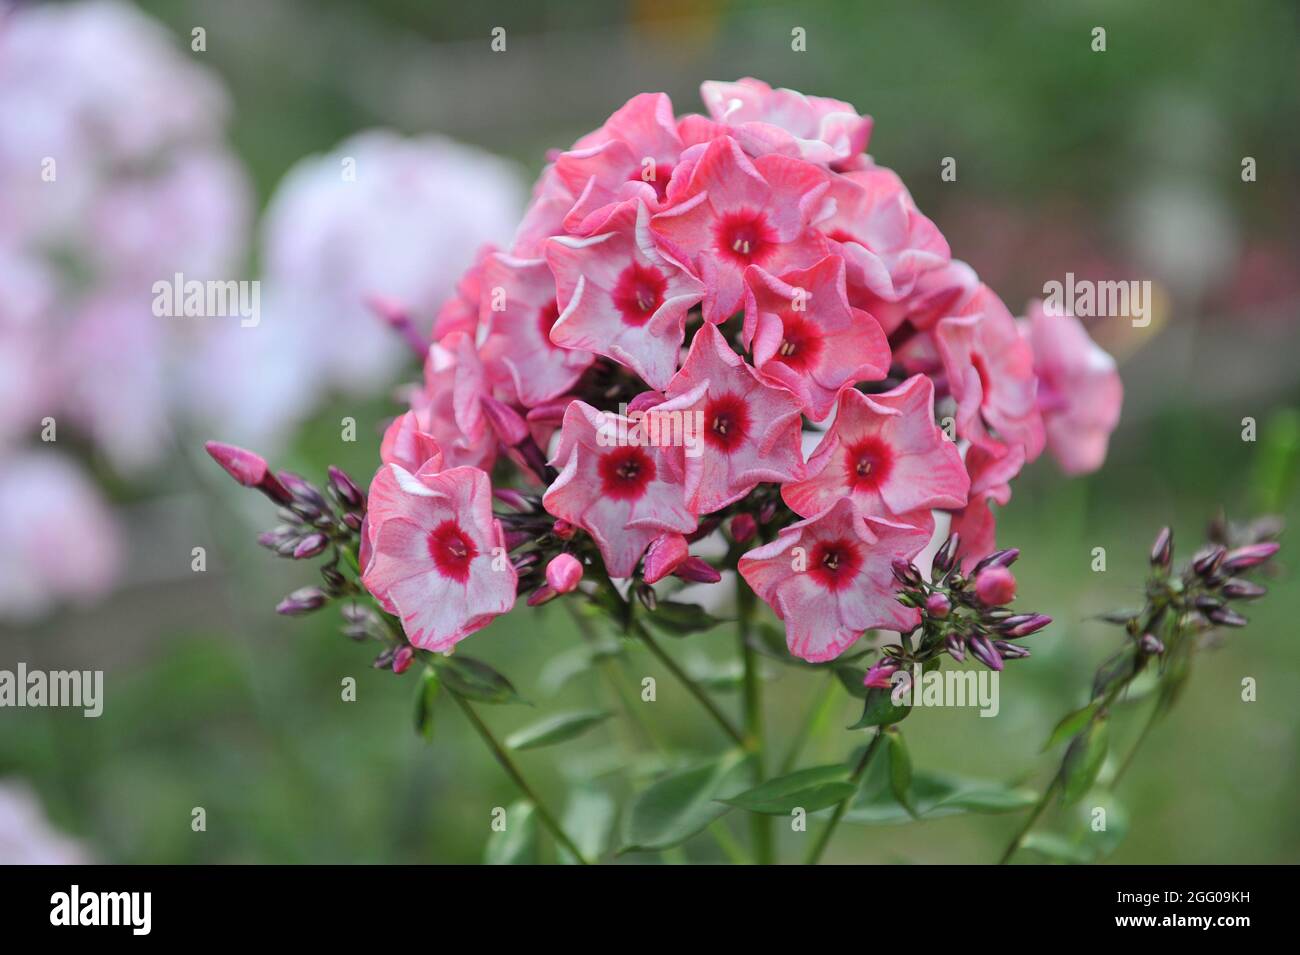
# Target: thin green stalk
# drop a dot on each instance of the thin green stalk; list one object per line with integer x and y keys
{"x": 1152, "y": 717}
{"x": 1039, "y": 806}
{"x": 691, "y": 686}
{"x": 815, "y": 854}
{"x": 508, "y": 764}
{"x": 760, "y": 824}
{"x": 816, "y": 718}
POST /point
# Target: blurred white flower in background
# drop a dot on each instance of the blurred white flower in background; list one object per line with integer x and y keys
{"x": 380, "y": 215}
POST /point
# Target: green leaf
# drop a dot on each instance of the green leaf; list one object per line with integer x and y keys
{"x": 880, "y": 710}
{"x": 424, "y": 698}
{"x": 900, "y": 771}
{"x": 589, "y": 821}
{"x": 1083, "y": 760}
{"x": 517, "y": 843}
{"x": 933, "y": 795}
{"x": 1071, "y": 723}
{"x": 675, "y": 619}
{"x": 475, "y": 680}
{"x": 851, "y": 678}
{"x": 555, "y": 729}
{"x": 1057, "y": 848}
{"x": 809, "y": 789}
{"x": 679, "y": 805}
{"x": 721, "y": 677}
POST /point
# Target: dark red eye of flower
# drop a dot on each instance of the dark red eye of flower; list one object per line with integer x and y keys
{"x": 726, "y": 422}
{"x": 801, "y": 342}
{"x": 452, "y": 551}
{"x": 663, "y": 173}
{"x": 868, "y": 463}
{"x": 625, "y": 473}
{"x": 638, "y": 293}
{"x": 744, "y": 237}
{"x": 834, "y": 564}
{"x": 546, "y": 320}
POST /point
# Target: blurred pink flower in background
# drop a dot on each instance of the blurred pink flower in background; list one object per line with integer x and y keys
{"x": 379, "y": 214}
{"x": 61, "y": 542}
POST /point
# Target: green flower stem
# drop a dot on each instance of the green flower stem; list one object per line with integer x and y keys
{"x": 1037, "y": 811}
{"x": 517, "y": 777}
{"x": 816, "y": 718}
{"x": 691, "y": 686}
{"x": 760, "y": 823}
{"x": 815, "y": 854}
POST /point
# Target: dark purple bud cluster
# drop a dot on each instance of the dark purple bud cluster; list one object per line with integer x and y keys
{"x": 966, "y": 615}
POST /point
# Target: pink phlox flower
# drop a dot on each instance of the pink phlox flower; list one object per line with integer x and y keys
{"x": 767, "y": 120}
{"x": 622, "y": 297}
{"x": 617, "y": 486}
{"x": 751, "y": 431}
{"x": 449, "y": 407}
{"x": 805, "y": 336}
{"x": 830, "y": 578}
{"x": 990, "y": 483}
{"x": 517, "y": 310}
{"x": 736, "y": 213}
{"x": 1079, "y": 389}
{"x": 439, "y": 558}
{"x": 990, "y": 372}
{"x": 886, "y": 454}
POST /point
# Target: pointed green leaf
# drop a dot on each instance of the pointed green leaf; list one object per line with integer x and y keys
{"x": 934, "y": 796}
{"x": 428, "y": 692}
{"x": 679, "y": 805}
{"x": 555, "y": 729}
{"x": 1057, "y": 848}
{"x": 879, "y": 710}
{"x": 675, "y": 619}
{"x": 589, "y": 820}
{"x": 1071, "y": 723}
{"x": 809, "y": 789}
{"x": 1083, "y": 760}
{"x": 900, "y": 771}
{"x": 475, "y": 680}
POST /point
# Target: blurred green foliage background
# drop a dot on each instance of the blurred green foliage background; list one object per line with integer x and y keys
{"x": 1067, "y": 160}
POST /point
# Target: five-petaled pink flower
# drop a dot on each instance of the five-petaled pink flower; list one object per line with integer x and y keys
{"x": 1079, "y": 391}
{"x": 619, "y": 487}
{"x": 805, "y": 336}
{"x": 738, "y": 212}
{"x": 439, "y": 559}
{"x": 887, "y": 455}
{"x": 751, "y": 430}
{"x": 830, "y": 578}
{"x": 622, "y": 297}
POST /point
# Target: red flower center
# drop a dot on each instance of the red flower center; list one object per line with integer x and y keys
{"x": 726, "y": 422}
{"x": 744, "y": 237}
{"x": 452, "y": 551}
{"x": 625, "y": 473}
{"x": 546, "y": 320}
{"x": 638, "y": 293}
{"x": 801, "y": 342}
{"x": 835, "y": 563}
{"x": 868, "y": 463}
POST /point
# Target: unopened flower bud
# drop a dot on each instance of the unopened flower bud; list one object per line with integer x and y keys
{"x": 307, "y": 500}
{"x": 938, "y": 605}
{"x": 398, "y": 318}
{"x": 345, "y": 490}
{"x": 947, "y": 554}
{"x": 743, "y": 528}
{"x": 301, "y": 601}
{"x": 353, "y": 520}
{"x": 1238, "y": 589}
{"x": 982, "y": 649}
{"x": 334, "y": 580}
{"x": 512, "y": 498}
{"x": 665, "y": 554}
{"x": 563, "y": 573}
{"x": 1162, "y": 551}
{"x": 402, "y": 658}
{"x": 879, "y": 675}
{"x": 541, "y": 595}
{"x": 767, "y": 512}
{"x": 563, "y": 530}
{"x": 999, "y": 558}
{"x": 1024, "y": 628}
{"x": 1150, "y": 645}
{"x": 906, "y": 573}
{"x": 956, "y": 645}
{"x": 995, "y": 586}
{"x": 248, "y": 469}
{"x": 1249, "y": 556}
{"x": 697, "y": 570}
{"x": 646, "y": 595}
{"x": 516, "y": 538}
{"x": 1207, "y": 561}
{"x": 1010, "y": 651}
{"x": 1227, "y": 617}
{"x": 310, "y": 546}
